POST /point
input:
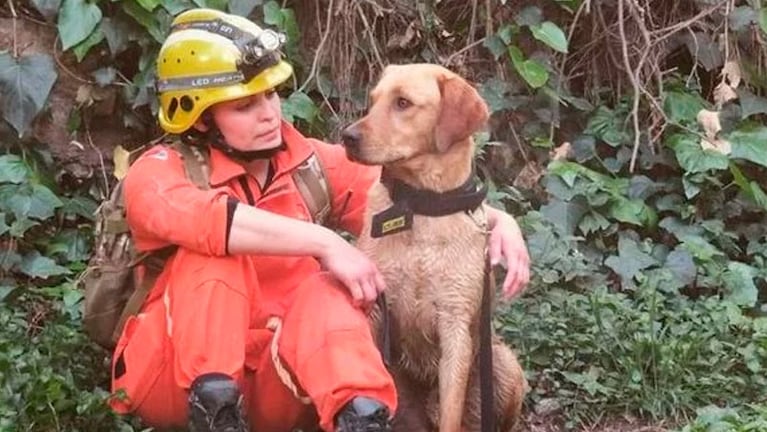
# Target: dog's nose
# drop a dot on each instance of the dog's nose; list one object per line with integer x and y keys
{"x": 351, "y": 138}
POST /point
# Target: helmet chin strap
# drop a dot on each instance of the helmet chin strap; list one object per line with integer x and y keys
{"x": 216, "y": 140}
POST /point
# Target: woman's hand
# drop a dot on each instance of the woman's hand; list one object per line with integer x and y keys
{"x": 507, "y": 246}
{"x": 355, "y": 270}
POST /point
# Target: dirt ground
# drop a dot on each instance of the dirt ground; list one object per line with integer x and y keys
{"x": 537, "y": 423}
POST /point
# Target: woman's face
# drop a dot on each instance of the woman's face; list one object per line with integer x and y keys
{"x": 250, "y": 123}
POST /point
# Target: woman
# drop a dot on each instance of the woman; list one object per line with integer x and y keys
{"x": 259, "y": 316}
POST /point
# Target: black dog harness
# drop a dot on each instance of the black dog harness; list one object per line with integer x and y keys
{"x": 409, "y": 200}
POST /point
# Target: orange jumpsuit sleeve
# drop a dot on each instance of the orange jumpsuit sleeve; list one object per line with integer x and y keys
{"x": 349, "y": 184}
{"x": 165, "y": 208}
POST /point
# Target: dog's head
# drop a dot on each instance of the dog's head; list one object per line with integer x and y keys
{"x": 415, "y": 109}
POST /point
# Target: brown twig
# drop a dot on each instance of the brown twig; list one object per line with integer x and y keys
{"x": 101, "y": 157}
{"x": 371, "y": 36}
{"x": 15, "y": 17}
{"x": 463, "y": 50}
{"x": 64, "y": 68}
{"x": 667, "y": 32}
{"x": 634, "y": 83}
{"x": 318, "y": 53}
{"x": 472, "y": 24}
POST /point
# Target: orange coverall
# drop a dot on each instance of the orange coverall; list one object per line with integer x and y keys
{"x": 208, "y": 310}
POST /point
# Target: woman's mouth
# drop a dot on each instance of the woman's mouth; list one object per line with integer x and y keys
{"x": 266, "y": 135}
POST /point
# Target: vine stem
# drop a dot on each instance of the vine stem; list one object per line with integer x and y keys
{"x": 15, "y": 18}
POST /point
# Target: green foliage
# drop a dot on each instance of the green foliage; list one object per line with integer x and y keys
{"x": 651, "y": 352}
{"x": 749, "y": 418}
{"x": 24, "y": 86}
{"x": 51, "y": 377}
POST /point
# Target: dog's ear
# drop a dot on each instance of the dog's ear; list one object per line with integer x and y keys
{"x": 462, "y": 112}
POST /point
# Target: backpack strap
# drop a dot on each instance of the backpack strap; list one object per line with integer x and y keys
{"x": 314, "y": 187}
{"x": 197, "y": 169}
{"x": 196, "y": 163}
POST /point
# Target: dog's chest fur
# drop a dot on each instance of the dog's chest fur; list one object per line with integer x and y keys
{"x": 434, "y": 272}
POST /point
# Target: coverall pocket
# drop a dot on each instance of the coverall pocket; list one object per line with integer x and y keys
{"x": 139, "y": 360}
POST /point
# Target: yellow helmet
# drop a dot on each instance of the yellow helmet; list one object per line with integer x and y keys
{"x": 210, "y": 57}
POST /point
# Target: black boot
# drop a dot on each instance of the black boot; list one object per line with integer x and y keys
{"x": 363, "y": 414}
{"x": 215, "y": 405}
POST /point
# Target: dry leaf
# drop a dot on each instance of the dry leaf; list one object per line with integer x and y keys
{"x": 121, "y": 160}
{"x": 528, "y": 177}
{"x": 731, "y": 72}
{"x": 84, "y": 95}
{"x": 724, "y": 93}
{"x": 710, "y": 122}
{"x": 718, "y": 145}
{"x": 405, "y": 39}
{"x": 561, "y": 152}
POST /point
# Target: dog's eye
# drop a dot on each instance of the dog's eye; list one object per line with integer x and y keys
{"x": 402, "y": 103}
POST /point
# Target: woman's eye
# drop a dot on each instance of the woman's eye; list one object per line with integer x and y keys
{"x": 243, "y": 107}
{"x": 403, "y": 103}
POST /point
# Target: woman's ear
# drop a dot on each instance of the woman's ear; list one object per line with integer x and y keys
{"x": 201, "y": 125}
{"x": 203, "y": 121}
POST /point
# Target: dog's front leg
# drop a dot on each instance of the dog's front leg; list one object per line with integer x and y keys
{"x": 454, "y": 367}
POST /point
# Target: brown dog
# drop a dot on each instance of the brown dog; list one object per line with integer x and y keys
{"x": 419, "y": 129}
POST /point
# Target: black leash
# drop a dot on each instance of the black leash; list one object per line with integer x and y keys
{"x": 385, "y": 333}
{"x": 486, "y": 389}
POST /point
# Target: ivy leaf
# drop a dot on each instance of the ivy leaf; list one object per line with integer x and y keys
{"x": 36, "y": 201}
{"x": 682, "y": 107}
{"x": 630, "y": 259}
{"x": 149, "y": 5}
{"x": 272, "y": 14}
{"x": 750, "y": 188}
{"x": 175, "y": 7}
{"x": 77, "y": 19}
{"x": 633, "y": 211}
{"x": 5, "y": 290}
{"x": 299, "y": 105}
{"x": 47, "y": 8}
{"x": 739, "y": 280}
{"x": 243, "y": 7}
{"x": 607, "y": 125}
{"x": 750, "y": 103}
{"x": 593, "y": 222}
{"x": 750, "y": 143}
{"x": 24, "y": 87}
{"x": 13, "y": 169}
{"x": 692, "y": 157}
{"x": 38, "y": 266}
{"x": 529, "y": 16}
{"x": 494, "y": 92}
{"x": 534, "y": 73}
{"x": 20, "y": 226}
{"x": 495, "y": 45}
{"x": 118, "y": 30}
{"x": 91, "y": 41}
{"x": 157, "y": 23}
{"x": 699, "y": 247}
{"x": 565, "y": 215}
{"x": 211, "y": 4}
{"x": 682, "y": 266}
{"x": 550, "y": 34}
{"x": 741, "y": 17}
{"x": 72, "y": 243}
{"x": 79, "y": 206}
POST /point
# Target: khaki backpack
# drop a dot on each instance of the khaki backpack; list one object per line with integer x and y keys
{"x": 118, "y": 278}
